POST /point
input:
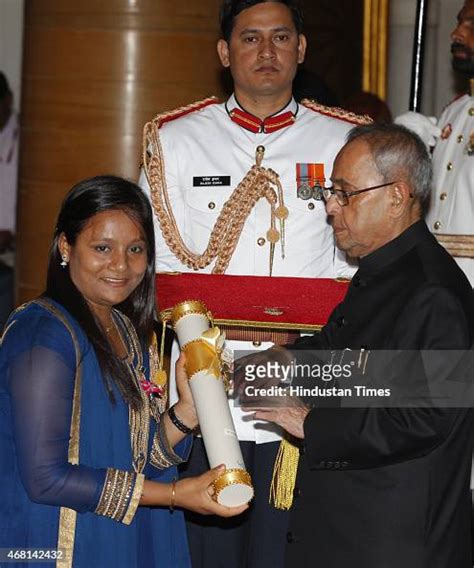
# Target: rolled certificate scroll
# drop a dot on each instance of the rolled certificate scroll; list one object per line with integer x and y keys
{"x": 202, "y": 345}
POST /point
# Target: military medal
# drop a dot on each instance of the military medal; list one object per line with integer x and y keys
{"x": 309, "y": 181}
{"x": 446, "y": 132}
{"x": 305, "y": 191}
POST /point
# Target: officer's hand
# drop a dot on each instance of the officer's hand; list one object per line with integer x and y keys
{"x": 424, "y": 126}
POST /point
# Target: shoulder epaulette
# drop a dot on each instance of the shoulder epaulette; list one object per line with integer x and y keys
{"x": 170, "y": 115}
{"x": 336, "y": 112}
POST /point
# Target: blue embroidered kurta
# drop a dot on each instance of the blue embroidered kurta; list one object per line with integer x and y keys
{"x": 37, "y": 375}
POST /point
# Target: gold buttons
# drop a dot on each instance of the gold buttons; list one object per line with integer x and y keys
{"x": 443, "y": 196}
{"x": 211, "y": 205}
{"x": 261, "y": 241}
{"x": 449, "y": 167}
{"x": 437, "y": 225}
{"x": 460, "y": 139}
{"x": 310, "y": 206}
{"x": 471, "y": 111}
{"x": 257, "y": 343}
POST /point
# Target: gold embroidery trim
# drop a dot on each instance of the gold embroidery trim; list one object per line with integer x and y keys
{"x": 157, "y": 456}
{"x": 461, "y": 246}
{"x": 336, "y": 112}
{"x": 263, "y": 325}
{"x": 245, "y": 119}
{"x": 280, "y": 123}
{"x": 9, "y": 326}
{"x": 280, "y": 337}
{"x": 139, "y": 419}
{"x": 167, "y": 116}
{"x": 67, "y": 517}
{"x": 258, "y": 183}
{"x": 115, "y": 497}
{"x": 135, "y": 499}
{"x": 162, "y": 454}
{"x": 186, "y": 308}
{"x": 236, "y": 476}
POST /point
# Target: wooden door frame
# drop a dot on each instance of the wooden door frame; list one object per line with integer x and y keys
{"x": 374, "y": 64}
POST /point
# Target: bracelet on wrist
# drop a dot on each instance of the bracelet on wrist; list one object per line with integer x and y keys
{"x": 173, "y": 495}
{"x": 177, "y": 422}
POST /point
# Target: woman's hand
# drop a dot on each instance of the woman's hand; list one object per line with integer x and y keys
{"x": 185, "y": 406}
{"x": 196, "y": 494}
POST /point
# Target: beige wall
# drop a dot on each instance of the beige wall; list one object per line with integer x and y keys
{"x": 11, "y": 38}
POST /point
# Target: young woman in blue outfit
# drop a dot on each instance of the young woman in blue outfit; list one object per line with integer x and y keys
{"x": 88, "y": 449}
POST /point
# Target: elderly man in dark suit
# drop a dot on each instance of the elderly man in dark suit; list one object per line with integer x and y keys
{"x": 385, "y": 487}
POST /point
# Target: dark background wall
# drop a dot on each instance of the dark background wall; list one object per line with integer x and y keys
{"x": 334, "y": 31}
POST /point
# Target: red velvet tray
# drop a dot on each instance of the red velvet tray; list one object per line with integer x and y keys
{"x": 254, "y": 301}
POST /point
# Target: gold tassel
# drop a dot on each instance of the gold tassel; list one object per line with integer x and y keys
{"x": 284, "y": 475}
{"x": 158, "y": 374}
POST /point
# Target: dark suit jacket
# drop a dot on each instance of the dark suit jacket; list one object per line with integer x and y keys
{"x": 389, "y": 487}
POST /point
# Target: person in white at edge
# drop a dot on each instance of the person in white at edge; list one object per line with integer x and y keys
{"x": 451, "y": 209}
{"x": 207, "y": 152}
{"x": 8, "y": 195}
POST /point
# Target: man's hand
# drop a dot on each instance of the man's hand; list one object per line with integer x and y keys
{"x": 273, "y": 359}
{"x": 290, "y": 418}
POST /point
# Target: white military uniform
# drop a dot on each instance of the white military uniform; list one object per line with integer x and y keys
{"x": 8, "y": 173}
{"x": 206, "y": 155}
{"x": 451, "y": 210}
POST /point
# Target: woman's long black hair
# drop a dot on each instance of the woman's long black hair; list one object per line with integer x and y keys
{"x": 86, "y": 199}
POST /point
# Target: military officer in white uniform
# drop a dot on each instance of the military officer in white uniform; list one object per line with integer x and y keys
{"x": 450, "y": 215}
{"x": 9, "y": 134}
{"x": 207, "y": 150}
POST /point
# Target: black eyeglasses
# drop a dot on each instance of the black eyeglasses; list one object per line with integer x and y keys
{"x": 342, "y": 197}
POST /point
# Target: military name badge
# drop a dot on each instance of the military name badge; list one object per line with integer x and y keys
{"x": 446, "y": 132}
{"x": 211, "y": 181}
{"x": 309, "y": 181}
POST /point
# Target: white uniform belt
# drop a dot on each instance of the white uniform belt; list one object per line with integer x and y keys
{"x": 458, "y": 245}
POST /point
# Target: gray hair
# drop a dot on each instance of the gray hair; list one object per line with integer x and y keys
{"x": 399, "y": 154}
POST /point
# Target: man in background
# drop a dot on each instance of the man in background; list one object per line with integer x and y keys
{"x": 450, "y": 213}
{"x": 8, "y": 194}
